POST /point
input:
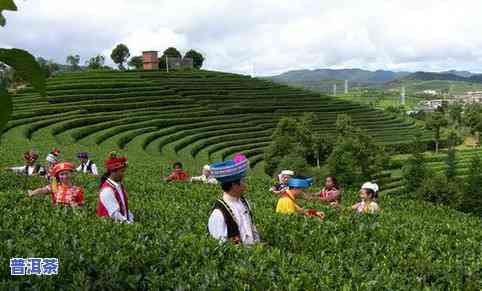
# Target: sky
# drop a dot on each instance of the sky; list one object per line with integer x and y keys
{"x": 260, "y": 37}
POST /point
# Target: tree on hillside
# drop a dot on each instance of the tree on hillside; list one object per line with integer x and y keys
{"x": 120, "y": 54}
{"x": 436, "y": 121}
{"x": 344, "y": 124}
{"x": 73, "y": 61}
{"x": 197, "y": 58}
{"x": 355, "y": 156}
{"x": 436, "y": 188}
{"x": 455, "y": 113}
{"x": 170, "y": 52}
{"x": 136, "y": 62}
{"x": 473, "y": 187}
{"x": 96, "y": 62}
{"x": 322, "y": 147}
{"x": 415, "y": 171}
{"x": 48, "y": 67}
{"x": 451, "y": 163}
{"x": 283, "y": 143}
{"x": 292, "y": 136}
{"x": 473, "y": 119}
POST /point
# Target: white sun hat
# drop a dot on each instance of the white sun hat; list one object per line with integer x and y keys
{"x": 372, "y": 186}
{"x": 287, "y": 173}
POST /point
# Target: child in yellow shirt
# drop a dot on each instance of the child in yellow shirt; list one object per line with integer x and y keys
{"x": 287, "y": 203}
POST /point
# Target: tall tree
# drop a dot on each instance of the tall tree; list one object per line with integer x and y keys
{"x": 170, "y": 52}
{"x": 436, "y": 121}
{"x": 355, "y": 157}
{"x": 415, "y": 170}
{"x": 322, "y": 147}
{"x": 136, "y": 62}
{"x": 344, "y": 124}
{"x": 292, "y": 136}
{"x": 96, "y": 62}
{"x": 196, "y": 57}
{"x": 451, "y": 163}
{"x": 49, "y": 67}
{"x": 455, "y": 113}
{"x": 73, "y": 61}
{"x": 473, "y": 189}
{"x": 120, "y": 54}
{"x": 473, "y": 119}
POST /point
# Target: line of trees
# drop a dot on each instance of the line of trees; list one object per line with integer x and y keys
{"x": 350, "y": 153}
{"x": 463, "y": 119}
{"x": 120, "y": 55}
{"x": 420, "y": 182}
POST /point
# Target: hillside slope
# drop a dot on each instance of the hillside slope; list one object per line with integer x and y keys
{"x": 358, "y": 76}
{"x": 410, "y": 245}
{"x": 196, "y": 117}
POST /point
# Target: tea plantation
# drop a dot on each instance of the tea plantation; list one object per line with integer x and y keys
{"x": 392, "y": 179}
{"x": 156, "y": 118}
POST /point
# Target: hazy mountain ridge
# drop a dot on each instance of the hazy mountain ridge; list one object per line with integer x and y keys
{"x": 361, "y": 77}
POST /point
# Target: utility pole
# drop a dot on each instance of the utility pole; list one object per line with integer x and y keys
{"x": 167, "y": 64}
{"x": 334, "y": 89}
{"x": 402, "y": 96}
{"x": 346, "y": 86}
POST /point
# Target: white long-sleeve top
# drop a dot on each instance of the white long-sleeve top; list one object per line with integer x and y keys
{"x": 247, "y": 230}
{"x": 20, "y": 170}
{"x": 204, "y": 179}
{"x": 83, "y": 168}
{"x": 107, "y": 197}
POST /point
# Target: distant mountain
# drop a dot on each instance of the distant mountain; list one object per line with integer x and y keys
{"x": 323, "y": 80}
{"x": 426, "y": 76}
{"x": 361, "y": 77}
{"x": 443, "y": 76}
{"x": 465, "y": 74}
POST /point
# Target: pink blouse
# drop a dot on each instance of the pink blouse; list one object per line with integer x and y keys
{"x": 330, "y": 195}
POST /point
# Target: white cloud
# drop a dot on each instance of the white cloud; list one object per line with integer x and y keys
{"x": 271, "y": 35}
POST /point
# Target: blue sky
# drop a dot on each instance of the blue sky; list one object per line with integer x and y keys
{"x": 265, "y": 36}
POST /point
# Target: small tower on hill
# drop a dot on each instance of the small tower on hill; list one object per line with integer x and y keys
{"x": 150, "y": 60}
{"x": 402, "y": 96}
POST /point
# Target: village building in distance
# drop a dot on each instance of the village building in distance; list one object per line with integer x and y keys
{"x": 151, "y": 61}
{"x": 431, "y": 105}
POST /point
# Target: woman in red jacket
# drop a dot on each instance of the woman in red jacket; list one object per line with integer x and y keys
{"x": 65, "y": 192}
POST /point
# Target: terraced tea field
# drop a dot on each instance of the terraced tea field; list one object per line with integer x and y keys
{"x": 392, "y": 179}
{"x": 156, "y": 118}
{"x": 196, "y": 117}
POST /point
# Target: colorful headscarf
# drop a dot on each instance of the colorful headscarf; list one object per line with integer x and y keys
{"x": 114, "y": 162}
{"x": 231, "y": 170}
{"x": 30, "y": 156}
{"x": 60, "y": 167}
{"x": 300, "y": 182}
